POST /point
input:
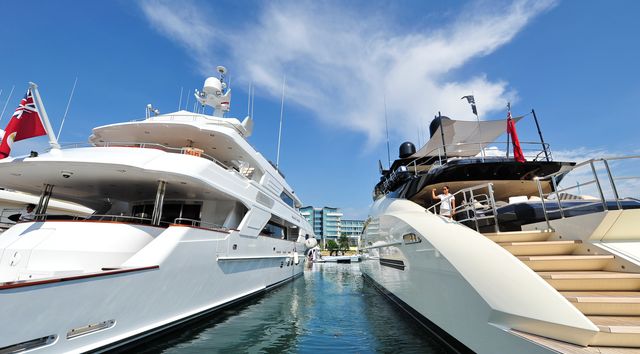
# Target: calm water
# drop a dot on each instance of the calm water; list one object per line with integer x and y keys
{"x": 330, "y": 309}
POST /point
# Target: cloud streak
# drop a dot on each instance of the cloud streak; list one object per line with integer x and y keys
{"x": 342, "y": 63}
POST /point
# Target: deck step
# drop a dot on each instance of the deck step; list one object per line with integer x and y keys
{"x": 605, "y": 303}
{"x": 592, "y": 281}
{"x": 520, "y": 236}
{"x": 616, "y": 331}
{"x": 566, "y": 262}
{"x": 541, "y": 248}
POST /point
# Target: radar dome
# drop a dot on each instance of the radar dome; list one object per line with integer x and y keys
{"x": 212, "y": 86}
{"x": 407, "y": 149}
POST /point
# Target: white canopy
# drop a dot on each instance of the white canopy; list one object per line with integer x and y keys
{"x": 463, "y": 138}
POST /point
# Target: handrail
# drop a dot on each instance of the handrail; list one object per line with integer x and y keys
{"x": 470, "y": 202}
{"x": 478, "y": 150}
{"x": 102, "y": 217}
{"x": 591, "y": 164}
{"x": 160, "y": 147}
{"x": 482, "y": 146}
{"x": 138, "y": 220}
{"x": 182, "y": 118}
{"x": 200, "y": 223}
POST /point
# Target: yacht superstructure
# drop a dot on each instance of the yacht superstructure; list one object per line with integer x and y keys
{"x": 188, "y": 219}
{"x": 527, "y": 264}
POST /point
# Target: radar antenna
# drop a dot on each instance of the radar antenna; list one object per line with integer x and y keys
{"x": 215, "y": 93}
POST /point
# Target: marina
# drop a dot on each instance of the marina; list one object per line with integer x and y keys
{"x": 331, "y": 308}
{"x": 320, "y": 177}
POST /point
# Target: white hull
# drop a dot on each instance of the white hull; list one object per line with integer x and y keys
{"x": 197, "y": 272}
{"x": 464, "y": 285}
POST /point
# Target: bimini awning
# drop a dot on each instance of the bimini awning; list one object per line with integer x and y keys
{"x": 462, "y": 138}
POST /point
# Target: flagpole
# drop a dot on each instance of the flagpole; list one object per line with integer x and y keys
{"x": 508, "y": 135}
{"x": 53, "y": 142}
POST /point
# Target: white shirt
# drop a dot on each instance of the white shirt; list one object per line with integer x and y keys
{"x": 27, "y": 216}
{"x": 445, "y": 206}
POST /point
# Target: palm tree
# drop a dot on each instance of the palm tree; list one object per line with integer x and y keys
{"x": 332, "y": 246}
{"x": 343, "y": 242}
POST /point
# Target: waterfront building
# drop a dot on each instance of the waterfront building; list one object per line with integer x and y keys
{"x": 328, "y": 224}
{"x": 353, "y": 229}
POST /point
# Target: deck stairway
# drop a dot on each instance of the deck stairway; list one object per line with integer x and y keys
{"x": 610, "y": 299}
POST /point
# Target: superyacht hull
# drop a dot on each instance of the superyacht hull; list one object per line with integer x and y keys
{"x": 184, "y": 273}
{"x": 466, "y": 289}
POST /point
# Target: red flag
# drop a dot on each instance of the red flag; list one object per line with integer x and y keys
{"x": 511, "y": 130}
{"x": 25, "y": 123}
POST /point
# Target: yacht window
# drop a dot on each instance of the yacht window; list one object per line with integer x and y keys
{"x": 274, "y": 230}
{"x": 143, "y": 211}
{"x": 170, "y": 212}
{"x": 186, "y": 213}
{"x": 288, "y": 199}
{"x": 191, "y": 211}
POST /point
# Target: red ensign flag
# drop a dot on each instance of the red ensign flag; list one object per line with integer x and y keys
{"x": 25, "y": 123}
{"x": 511, "y": 130}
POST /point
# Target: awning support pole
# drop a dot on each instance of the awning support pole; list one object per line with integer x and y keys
{"x": 157, "y": 206}
{"x": 43, "y": 202}
{"x": 444, "y": 147}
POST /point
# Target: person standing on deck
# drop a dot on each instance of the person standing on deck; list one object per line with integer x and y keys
{"x": 28, "y": 213}
{"x": 448, "y": 202}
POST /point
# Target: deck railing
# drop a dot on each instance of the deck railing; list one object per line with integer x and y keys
{"x": 478, "y": 203}
{"x": 133, "y": 220}
{"x": 533, "y": 151}
{"x": 184, "y": 150}
{"x": 608, "y": 188}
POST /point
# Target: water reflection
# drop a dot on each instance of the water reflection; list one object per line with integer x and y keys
{"x": 330, "y": 309}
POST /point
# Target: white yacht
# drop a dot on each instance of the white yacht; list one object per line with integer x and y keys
{"x": 189, "y": 219}
{"x": 528, "y": 264}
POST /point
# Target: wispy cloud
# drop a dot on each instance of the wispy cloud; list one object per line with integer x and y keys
{"x": 342, "y": 62}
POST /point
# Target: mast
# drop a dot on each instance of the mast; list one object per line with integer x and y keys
{"x": 386, "y": 124}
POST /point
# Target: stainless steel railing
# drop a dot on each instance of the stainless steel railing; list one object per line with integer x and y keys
{"x": 592, "y": 177}
{"x": 199, "y": 223}
{"x": 478, "y": 203}
{"x": 437, "y": 157}
{"x": 183, "y": 151}
{"x": 134, "y": 220}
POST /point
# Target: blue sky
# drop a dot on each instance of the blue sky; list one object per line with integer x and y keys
{"x": 575, "y": 62}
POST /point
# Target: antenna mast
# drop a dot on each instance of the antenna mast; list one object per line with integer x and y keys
{"x": 284, "y": 81}
{"x": 7, "y": 101}
{"x": 67, "y": 109}
{"x": 386, "y": 124}
{"x": 249, "y": 99}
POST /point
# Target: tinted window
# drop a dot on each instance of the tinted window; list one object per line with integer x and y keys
{"x": 287, "y": 199}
